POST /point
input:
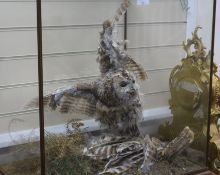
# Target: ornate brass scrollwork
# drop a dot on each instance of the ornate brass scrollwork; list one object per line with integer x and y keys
{"x": 199, "y": 52}
{"x": 189, "y": 88}
{"x": 214, "y": 152}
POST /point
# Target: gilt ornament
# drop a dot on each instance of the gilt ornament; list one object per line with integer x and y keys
{"x": 189, "y": 88}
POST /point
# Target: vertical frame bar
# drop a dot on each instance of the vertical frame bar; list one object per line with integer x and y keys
{"x": 125, "y": 28}
{"x": 40, "y": 85}
{"x": 210, "y": 82}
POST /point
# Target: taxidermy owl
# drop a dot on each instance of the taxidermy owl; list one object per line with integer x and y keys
{"x": 111, "y": 55}
{"x": 113, "y": 100}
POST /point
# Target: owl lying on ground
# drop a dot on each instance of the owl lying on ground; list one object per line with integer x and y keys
{"x": 113, "y": 100}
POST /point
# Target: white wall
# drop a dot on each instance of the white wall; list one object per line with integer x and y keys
{"x": 70, "y": 41}
{"x": 200, "y": 14}
{"x": 217, "y": 38}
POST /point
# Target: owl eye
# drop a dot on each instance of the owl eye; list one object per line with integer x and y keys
{"x": 133, "y": 81}
{"x": 123, "y": 83}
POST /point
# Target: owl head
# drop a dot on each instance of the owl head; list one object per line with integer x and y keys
{"x": 118, "y": 88}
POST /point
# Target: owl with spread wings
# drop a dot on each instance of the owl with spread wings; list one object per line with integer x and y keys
{"x": 114, "y": 98}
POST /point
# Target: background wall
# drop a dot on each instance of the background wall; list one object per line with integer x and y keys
{"x": 200, "y": 14}
{"x": 217, "y": 38}
{"x": 70, "y": 40}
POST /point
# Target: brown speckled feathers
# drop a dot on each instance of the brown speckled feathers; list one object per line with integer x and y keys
{"x": 111, "y": 55}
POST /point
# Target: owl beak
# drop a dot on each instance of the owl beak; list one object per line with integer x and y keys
{"x": 132, "y": 92}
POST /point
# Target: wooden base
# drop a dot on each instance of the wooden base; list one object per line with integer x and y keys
{"x": 203, "y": 173}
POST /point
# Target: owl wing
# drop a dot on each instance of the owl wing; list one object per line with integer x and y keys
{"x": 82, "y": 102}
{"x": 78, "y": 99}
{"x": 111, "y": 56}
{"x": 131, "y": 65}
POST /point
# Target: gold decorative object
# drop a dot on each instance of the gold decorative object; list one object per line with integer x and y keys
{"x": 214, "y": 153}
{"x": 189, "y": 87}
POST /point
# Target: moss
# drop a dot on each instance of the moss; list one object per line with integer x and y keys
{"x": 63, "y": 157}
{"x": 24, "y": 167}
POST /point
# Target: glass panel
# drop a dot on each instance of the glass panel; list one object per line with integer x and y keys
{"x": 107, "y": 109}
{"x": 179, "y": 79}
{"x": 215, "y": 111}
{"x": 19, "y": 123}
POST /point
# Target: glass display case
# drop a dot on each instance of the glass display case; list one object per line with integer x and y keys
{"x": 124, "y": 87}
{"x": 19, "y": 126}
